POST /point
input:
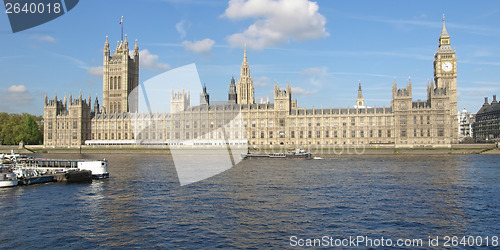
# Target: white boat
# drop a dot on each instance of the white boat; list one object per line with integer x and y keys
{"x": 292, "y": 154}
{"x": 7, "y": 178}
{"x": 99, "y": 168}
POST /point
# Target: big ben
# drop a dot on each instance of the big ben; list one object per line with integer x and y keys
{"x": 445, "y": 78}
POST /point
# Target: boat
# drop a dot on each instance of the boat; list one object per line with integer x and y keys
{"x": 74, "y": 176}
{"x": 7, "y": 177}
{"x": 28, "y": 176}
{"x": 291, "y": 154}
{"x": 98, "y": 168}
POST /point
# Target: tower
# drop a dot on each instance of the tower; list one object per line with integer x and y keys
{"x": 282, "y": 98}
{"x": 444, "y": 94}
{"x": 360, "y": 101}
{"x": 204, "y": 97}
{"x": 232, "y": 96}
{"x": 179, "y": 101}
{"x": 120, "y": 77}
{"x": 245, "y": 90}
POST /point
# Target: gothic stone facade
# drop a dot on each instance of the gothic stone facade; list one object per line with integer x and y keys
{"x": 406, "y": 123}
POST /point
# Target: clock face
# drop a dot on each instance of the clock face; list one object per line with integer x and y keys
{"x": 447, "y": 66}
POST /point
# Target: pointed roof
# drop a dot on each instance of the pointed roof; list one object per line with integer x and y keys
{"x": 245, "y": 54}
{"x": 444, "y": 33}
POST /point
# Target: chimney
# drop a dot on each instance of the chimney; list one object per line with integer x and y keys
{"x": 486, "y": 100}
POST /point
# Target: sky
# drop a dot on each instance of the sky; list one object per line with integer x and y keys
{"x": 323, "y": 48}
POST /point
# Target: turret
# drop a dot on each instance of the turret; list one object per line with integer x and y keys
{"x": 232, "y": 96}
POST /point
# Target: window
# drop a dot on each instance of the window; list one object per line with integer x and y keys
{"x": 403, "y": 133}
{"x": 414, "y": 133}
{"x": 403, "y": 120}
{"x": 440, "y": 120}
{"x": 301, "y": 134}
{"x": 353, "y": 122}
{"x": 318, "y": 134}
{"x": 292, "y": 134}
{"x": 270, "y": 134}
{"x": 415, "y": 119}
{"x": 353, "y": 133}
{"x": 388, "y": 133}
{"x": 362, "y": 133}
{"x": 440, "y": 132}
{"x": 327, "y": 133}
{"x": 309, "y": 134}
{"x": 335, "y": 134}
{"x": 282, "y": 122}
{"x": 371, "y": 133}
{"x": 380, "y": 133}
{"x": 262, "y": 134}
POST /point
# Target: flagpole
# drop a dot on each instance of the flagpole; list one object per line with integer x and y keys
{"x": 122, "y": 26}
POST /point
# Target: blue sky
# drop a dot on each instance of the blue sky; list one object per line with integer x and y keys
{"x": 323, "y": 49}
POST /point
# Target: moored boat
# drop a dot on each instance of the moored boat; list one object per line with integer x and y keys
{"x": 292, "y": 154}
{"x": 7, "y": 178}
{"x": 98, "y": 168}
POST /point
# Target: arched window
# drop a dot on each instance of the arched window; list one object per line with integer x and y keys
{"x": 119, "y": 82}
{"x": 119, "y": 108}
{"x": 111, "y": 82}
{"x": 116, "y": 83}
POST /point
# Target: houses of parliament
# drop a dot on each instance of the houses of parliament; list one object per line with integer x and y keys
{"x": 73, "y": 122}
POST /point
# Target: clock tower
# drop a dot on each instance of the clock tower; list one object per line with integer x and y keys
{"x": 445, "y": 78}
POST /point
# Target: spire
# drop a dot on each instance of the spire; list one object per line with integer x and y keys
{"x": 45, "y": 97}
{"x": 360, "y": 91}
{"x": 444, "y": 33}
{"x": 135, "y": 46}
{"x": 125, "y": 44}
{"x": 245, "y": 54}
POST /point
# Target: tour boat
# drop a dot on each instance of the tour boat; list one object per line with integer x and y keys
{"x": 292, "y": 154}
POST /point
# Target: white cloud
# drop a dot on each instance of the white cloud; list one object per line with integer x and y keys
{"x": 45, "y": 38}
{"x": 301, "y": 91}
{"x": 314, "y": 71}
{"x": 276, "y": 22}
{"x": 95, "y": 71}
{"x": 17, "y": 89}
{"x": 182, "y": 27}
{"x": 203, "y": 47}
{"x": 260, "y": 81}
{"x": 150, "y": 61}
{"x": 14, "y": 97}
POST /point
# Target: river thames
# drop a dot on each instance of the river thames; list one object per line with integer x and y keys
{"x": 259, "y": 203}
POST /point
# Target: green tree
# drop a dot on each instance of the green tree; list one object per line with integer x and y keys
{"x": 17, "y": 127}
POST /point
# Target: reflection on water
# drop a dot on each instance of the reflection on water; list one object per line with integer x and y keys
{"x": 258, "y": 203}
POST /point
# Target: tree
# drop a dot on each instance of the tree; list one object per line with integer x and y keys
{"x": 17, "y": 127}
